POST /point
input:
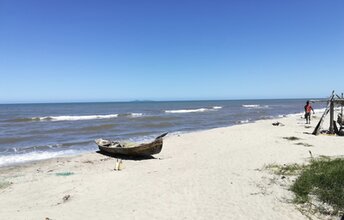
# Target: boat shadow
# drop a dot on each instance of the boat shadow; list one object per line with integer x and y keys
{"x": 125, "y": 157}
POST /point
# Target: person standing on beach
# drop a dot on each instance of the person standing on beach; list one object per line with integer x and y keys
{"x": 308, "y": 109}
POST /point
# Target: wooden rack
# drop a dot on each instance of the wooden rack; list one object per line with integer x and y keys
{"x": 332, "y": 102}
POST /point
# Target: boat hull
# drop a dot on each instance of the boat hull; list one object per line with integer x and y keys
{"x": 148, "y": 149}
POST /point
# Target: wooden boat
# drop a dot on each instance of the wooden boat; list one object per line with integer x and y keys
{"x": 129, "y": 149}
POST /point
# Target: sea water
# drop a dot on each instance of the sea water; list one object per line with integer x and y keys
{"x": 40, "y": 131}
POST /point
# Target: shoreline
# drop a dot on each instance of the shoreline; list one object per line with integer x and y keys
{"x": 55, "y": 132}
{"x": 13, "y": 164}
{"x": 217, "y": 173}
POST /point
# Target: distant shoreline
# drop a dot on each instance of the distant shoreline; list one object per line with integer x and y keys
{"x": 145, "y": 101}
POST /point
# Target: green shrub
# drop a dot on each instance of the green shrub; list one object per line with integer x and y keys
{"x": 323, "y": 178}
{"x": 64, "y": 174}
{"x": 286, "y": 169}
{"x": 4, "y": 184}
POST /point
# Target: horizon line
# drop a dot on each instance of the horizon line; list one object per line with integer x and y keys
{"x": 131, "y": 101}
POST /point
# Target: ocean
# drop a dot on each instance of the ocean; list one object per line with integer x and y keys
{"x": 30, "y": 132}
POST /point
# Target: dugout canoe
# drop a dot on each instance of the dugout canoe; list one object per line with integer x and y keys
{"x": 129, "y": 149}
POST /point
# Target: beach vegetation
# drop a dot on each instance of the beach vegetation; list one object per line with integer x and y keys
{"x": 323, "y": 179}
{"x": 64, "y": 174}
{"x": 324, "y": 157}
{"x": 4, "y": 184}
{"x": 286, "y": 169}
{"x": 318, "y": 186}
{"x": 304, "y": 144}
{"x": 291, "y": 138}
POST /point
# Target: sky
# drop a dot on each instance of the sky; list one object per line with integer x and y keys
{"x": 122, "y": 50}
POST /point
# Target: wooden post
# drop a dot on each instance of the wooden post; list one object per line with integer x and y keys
{"x": 318, "y": 127}
{"x": 341, "y": 112}
{"x": 331, "y": 117}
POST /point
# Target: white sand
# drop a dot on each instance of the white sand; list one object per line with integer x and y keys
{"x": 213, "y": 174}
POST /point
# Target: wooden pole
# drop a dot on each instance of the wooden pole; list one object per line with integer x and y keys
{"x": 318, "y": 127}
{"x": 331, "y": 117}
{"x": 342, "y": 108}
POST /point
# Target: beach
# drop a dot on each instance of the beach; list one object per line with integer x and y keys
{"x": 212, "y": 174}
{"x": 32, "y": 132}
{"x": 217, "y": 96}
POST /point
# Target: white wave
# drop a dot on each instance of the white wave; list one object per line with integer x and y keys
{"x": 75, "y": 118}
{"x": 321, "y": 110}
{"x": 255, "y": 106}
{"x": 33, "y": 156}
{"x": 136, "y": 115}
{"x": 318, "y": 111}
{"x": 189, "y": 110}
{"x": 250, "y": 106}
{"x": 244, "y": 121}
{"x": 214, "y": 108}
{"x": 217, "y": 107}
{"x": 266, "y": 117}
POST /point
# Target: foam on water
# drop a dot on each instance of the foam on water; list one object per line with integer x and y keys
{"x": 75, "y": 118}
{"x": 79, "y": 117}
{"x": 33, "y": 156}
{"x": 255, "y": 106}
{"x": 321, "y": 110}
{"x": 136, "y": 115}
{"x": 217, "y": 107}
{"x": 244, "y": 121}
{"x": 187, "y": 110}
{"x": 180, "y": 111}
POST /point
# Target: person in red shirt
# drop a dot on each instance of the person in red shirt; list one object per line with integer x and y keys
{"x": 308, "y": 109}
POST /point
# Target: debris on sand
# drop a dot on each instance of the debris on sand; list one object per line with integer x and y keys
{"x": 66, "y": 198}
{"x": 278, "y": 124}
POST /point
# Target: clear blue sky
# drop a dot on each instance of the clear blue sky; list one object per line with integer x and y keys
{"x": 70, "y": 50}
